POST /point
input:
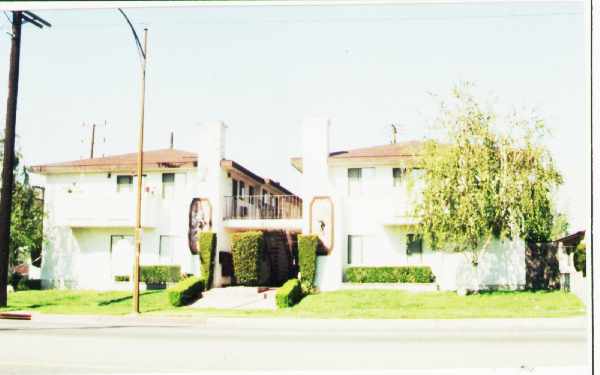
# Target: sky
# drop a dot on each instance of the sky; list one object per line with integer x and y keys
{"x": 263, "y": 69}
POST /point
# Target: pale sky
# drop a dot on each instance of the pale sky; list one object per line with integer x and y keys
{"x": 262, "y": 70}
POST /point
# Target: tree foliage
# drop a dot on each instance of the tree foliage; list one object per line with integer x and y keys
{"x": 26, "y": 233}
{"x": 486, "y": 177}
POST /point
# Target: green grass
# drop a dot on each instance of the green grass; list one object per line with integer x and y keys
{"x": 84, "y": 302}
{"x": 365, "y": 304}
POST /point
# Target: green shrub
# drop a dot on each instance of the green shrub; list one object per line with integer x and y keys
{"x": 289, "y": 294}
{"x": 28, "y": 284}
{"x": 207, "y": 245}
{"x": 307, "y": 259}
{"x": 247, "y": 249}
{"x": 121, "y": 278}
{"x": 579, "y": 258}
{"x": 160, "y": 274}
{"x": 13, "y": 279}
{"x": 408, "y": 274}
{"x": 186, "y": 291}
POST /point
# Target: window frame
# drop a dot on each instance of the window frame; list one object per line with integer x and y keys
{"x": 120, "y": 185}
{"x": 164, "y": 183}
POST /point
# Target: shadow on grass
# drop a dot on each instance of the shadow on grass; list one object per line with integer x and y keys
{"x": 122, "y": 299}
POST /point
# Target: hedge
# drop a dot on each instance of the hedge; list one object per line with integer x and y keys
{"x": 160, "y": 274}
{"x": 247, "y": 249}
{"x": 26, "y": 283}
{"x": 289, "y": 293}
{"x": 207, "y": 245}
{"x": 407, "y": 274}
{"x": 120, "y": 278}
{"x": 186, "y": 291}
{"x": 307, "y": 259}
{"x": 579, "y": 258}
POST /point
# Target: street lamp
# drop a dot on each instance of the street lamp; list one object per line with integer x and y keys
{"x": 140, "y": 166}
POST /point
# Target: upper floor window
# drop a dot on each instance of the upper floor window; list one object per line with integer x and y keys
{"x": 398, "y": 174}
{"x": 251, "y": 193}
{"x": 358, "y": 179}
{"x": 124, "y": 184}
{"x": 168, "y": 185}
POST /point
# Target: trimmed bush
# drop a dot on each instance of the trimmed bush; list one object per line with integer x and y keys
{"x": 120, "y": 278}
{"x": 289, "y": 294}
{"x": 207, "y": 245}
{"x": 247, "y": 249}
{"x": 579, "y": 258}
{"x": 307, "y": 259}
{"x": 186, "y": 291}
{"x": 408, "y": 274}
{"x": 160, "y": 274}
{"x": 28, "y": 284}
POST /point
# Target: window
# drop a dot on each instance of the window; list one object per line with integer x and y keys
{"x": 356, "y": 246}
{"x": 166, "y": 249}
{"x": 354, "y": 181}
{"x": 414, "y": 245}
{"x": 398, "y": 174}
{"x": 251, "y": 194}
{"x": 358, "y": 178}
{"x": 242, "y": 192}
{"x": 121, "y": 254}
{"x": 124, "y": 184}
{"x": 168, "y": 185}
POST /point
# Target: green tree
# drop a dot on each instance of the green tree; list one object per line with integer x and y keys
{"x": 26, "y": 233}
{"x": 485, "y": 178}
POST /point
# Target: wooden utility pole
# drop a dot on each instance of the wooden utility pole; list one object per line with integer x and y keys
{"x": 140, "y": 171}
{"x": 18, "y": 18}
{"x": 93, "y": 139}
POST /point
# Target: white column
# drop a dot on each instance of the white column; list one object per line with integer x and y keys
{"x": 316, "y": 182}
{"x": 212, "y": 182}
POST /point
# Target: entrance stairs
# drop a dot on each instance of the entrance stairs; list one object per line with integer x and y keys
{"x": 238, "y": 297}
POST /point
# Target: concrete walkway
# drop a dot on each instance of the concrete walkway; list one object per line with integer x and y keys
{"x": 237, "y": 297}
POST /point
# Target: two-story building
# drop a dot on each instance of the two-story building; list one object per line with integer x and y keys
{"x": 90, "y": 211}
{"x": 361, "y": 204}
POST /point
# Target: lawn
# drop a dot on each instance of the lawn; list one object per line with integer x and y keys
{"x": 84, "y": 302}
{"x": 366, "y": 304}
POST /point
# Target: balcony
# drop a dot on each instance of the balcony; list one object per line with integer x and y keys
{"x": 262, "y": 212}
{"x": 104, "y": 210}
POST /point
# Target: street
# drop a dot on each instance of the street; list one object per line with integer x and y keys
{"x": 76, "y": 345}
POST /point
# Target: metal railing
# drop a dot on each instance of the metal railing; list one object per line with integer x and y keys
{"x": 252, "y": 207}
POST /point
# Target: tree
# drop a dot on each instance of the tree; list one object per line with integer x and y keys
{"x": 486, "y": 178}
{"x": 26, "y": 233}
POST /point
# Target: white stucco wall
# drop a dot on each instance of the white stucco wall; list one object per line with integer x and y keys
{"x": 76, "y": 250}
{"x": 382, "y": 214}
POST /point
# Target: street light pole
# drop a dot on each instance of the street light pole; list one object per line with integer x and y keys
{"x": 140, "y": 171}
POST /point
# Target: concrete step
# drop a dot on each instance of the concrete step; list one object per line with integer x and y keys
{"x": 237, "y": 298}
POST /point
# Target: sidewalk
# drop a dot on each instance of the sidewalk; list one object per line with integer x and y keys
{"x": 576, "y": 324}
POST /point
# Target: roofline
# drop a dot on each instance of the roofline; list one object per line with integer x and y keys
{"x": 232, "y": 165}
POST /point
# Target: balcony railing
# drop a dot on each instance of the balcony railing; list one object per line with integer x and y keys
{"x": 253, "y": 207}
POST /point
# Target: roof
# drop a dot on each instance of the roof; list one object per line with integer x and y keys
{"x": 572, "y": 239}
{"x": 155, "y": 159}
{"x": 407, "y": 151}
{"x": 232, "y": 165}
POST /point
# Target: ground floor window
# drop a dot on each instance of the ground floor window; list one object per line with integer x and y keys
{"x": 121, "y": 252}
{"x": 166, "y": 249}
{"x": 414, "y": 247}
{"x": 356, "y": 249}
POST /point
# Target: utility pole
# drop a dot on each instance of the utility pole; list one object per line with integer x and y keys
{"x": 93, "y": 140}
{"x": 18, "y": 19}
{"x": 171, "y": 144}
{"x": 140, "y": 170}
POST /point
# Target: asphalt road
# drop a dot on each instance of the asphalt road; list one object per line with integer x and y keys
{"x": 159, "y": 346}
